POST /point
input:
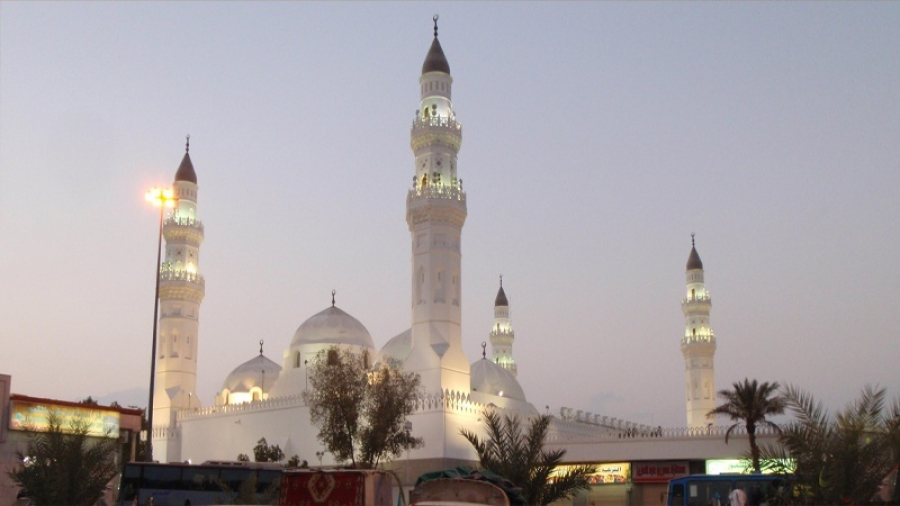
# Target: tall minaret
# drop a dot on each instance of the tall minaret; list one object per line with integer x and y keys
{"x": 698, "y": 345}
{"x": 435, "y": 213}
{"x": 502, "y": 334}
{"x": 181, "y": 291}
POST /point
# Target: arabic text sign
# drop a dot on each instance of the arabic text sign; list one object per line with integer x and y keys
{"x": 32, "y": 416}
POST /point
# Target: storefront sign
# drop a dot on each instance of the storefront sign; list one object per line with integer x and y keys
{"x": 658, "y": 472}
{"x": 605, "y": 473}
{"x": 737, "y": 466}
{"x": 35, "y": 417}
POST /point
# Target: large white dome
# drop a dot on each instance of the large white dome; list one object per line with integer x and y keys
{"x": 490, "y": 378}
{"x": 399, "y": 347}
{"x": 259, "y": 372}
{"x": 333, "y": 326}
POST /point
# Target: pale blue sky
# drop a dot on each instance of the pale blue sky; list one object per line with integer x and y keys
{"x": 596, "y": 138}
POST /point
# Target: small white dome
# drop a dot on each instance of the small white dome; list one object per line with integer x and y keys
{"x": 490, "y": 378}
{"x": 258, "y": 372}
{"x": 333, "y": 326}
{"x": 399, "y": 347}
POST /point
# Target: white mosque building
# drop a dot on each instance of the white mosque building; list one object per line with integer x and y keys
{"x": 262, "y": 397}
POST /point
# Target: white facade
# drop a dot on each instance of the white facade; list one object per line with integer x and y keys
{"x": 698, "y": 346}
{"x": 455, "y": 392}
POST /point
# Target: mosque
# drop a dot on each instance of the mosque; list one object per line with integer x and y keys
{"x": 262, "y": 396}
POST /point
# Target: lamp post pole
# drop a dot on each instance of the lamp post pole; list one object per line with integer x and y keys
{"x": 162, "y": 198}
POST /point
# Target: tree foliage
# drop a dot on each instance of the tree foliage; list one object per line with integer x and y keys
{"x": 65, "y": 465}
{"x": 840, "y": 459}
{"x": 751, "y": 403}
{"x": 516, "y": 452}
{"x": 360, "y": 411}
{"x": 263, "y": 452}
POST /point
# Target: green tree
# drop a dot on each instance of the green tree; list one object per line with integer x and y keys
{"x": 359, "y": 410}
{"x": 65, "y": 465}
{"x": 516, "y": 452}
{"x": 263, "y": 452}
{"x": 751, "y": 403}
{"x": 840, "y": 459}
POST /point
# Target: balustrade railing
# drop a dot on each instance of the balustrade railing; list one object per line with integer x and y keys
{"x": 167, "y": 273}
{"x": 437, "y": 121}
{"x": 439, "y": 191}
{"x": 706, "y": 338}
{"x": 183, "y": 221}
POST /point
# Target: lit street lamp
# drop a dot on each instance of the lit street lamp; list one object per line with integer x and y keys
{"x": 161, "y": 198}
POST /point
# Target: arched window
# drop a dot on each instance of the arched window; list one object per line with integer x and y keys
{"x": 296, "y": 360}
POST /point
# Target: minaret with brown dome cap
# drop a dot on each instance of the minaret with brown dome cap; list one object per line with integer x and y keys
{"x": 181, "y": 290}
{"x": 502, "y": 333}
{"x": 435, "y": 214}
{"x": 698, "y": 346}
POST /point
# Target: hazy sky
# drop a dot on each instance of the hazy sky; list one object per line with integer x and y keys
{"x": 596, "y": 138}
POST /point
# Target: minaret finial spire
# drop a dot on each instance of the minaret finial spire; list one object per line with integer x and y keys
{"x": 692, "y": 240}
{"x": 332, "y": 297}
{"x": 187, "y": 143}
{"x": 483, "y": 350}
{"x": 261, "y": 346}
{"x": 435, "y": 18}
{"x": 501, "y": 281}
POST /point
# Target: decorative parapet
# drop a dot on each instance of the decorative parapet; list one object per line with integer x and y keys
{"x": 660, "y": 433}
{"x": 288, "y": 401}
{"x": 166, "y": 432}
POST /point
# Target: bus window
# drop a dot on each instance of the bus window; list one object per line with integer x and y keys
{"x": 162, "y": 477}
{"x": 268, "y": 478}
{"x": 202, "y": 478}
{"x": 677, "y": 497}
{"x": 232, "y": 478}
{"x": 706, "y": 492}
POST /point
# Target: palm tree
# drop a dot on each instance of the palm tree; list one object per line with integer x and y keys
{"x": 751, "y": 403}
{"x": 516, "y": 452}
{"x": 843, "y": 458}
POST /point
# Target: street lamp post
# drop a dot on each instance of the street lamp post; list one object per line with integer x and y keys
{"x": 407, "y": 427}
{"x": 162, "y": 198}
{"x": 320, "y": 454}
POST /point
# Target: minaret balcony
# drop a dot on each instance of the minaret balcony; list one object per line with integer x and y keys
{"x": 435, "y": 130}
{"x": 173, "y": 276}
{"x": 183, "y": 228}
{"x": 437, "y": 122}
{"x": 437, "y": 191}
{"x": 698, "y": 339}
{"x": 696, "y": 303}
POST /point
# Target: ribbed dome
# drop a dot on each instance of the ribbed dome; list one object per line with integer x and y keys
{"x": 435, "y": 61}
{"x": 694, "y": 260}
{"x": 501, "y": 298}
{"x": 490, "y": 378}
{"x": 259, "y": 371}
{"x": 333, "y": 326}
{"x": 186, "y": 170}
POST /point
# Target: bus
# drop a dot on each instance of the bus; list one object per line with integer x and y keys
{"x": 197, "y": 485}
{"x": 713, "y": 489}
